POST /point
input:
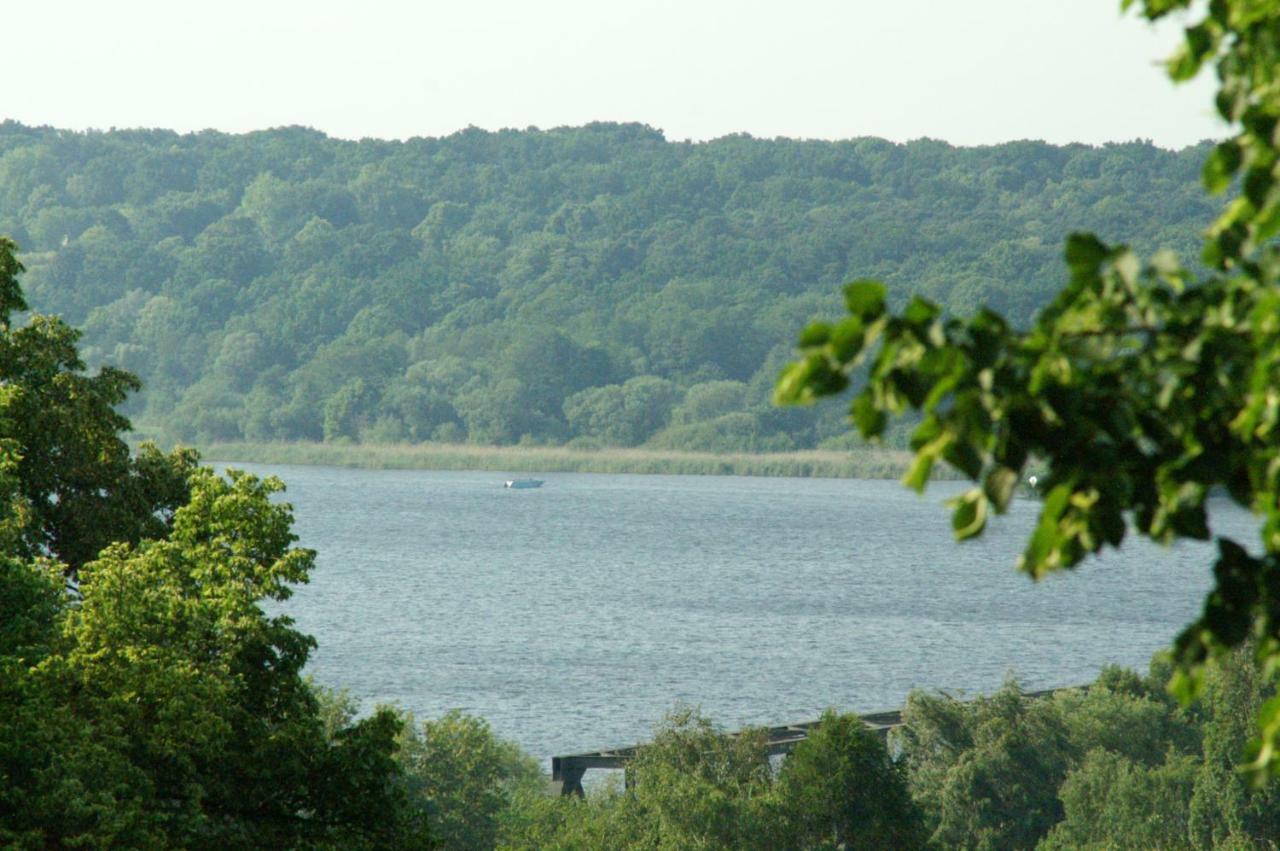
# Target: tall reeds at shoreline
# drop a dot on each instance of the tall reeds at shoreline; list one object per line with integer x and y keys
{"x": 861, "y": 464}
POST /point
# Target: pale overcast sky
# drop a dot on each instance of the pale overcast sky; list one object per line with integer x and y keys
{"x": 967, "y": 71}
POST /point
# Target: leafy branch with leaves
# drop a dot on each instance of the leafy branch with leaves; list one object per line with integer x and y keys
{"x": 1143, "y": 387}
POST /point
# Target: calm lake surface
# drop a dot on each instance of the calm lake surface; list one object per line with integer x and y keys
{"x": 575, "y": 615}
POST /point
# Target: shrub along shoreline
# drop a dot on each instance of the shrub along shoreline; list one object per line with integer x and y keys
{"x": 858, "y": 464}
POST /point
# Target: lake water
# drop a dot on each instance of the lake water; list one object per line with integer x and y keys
{"x": 574, "y": 616}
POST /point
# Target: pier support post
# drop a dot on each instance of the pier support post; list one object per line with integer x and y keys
{"x": 571, "y": 780}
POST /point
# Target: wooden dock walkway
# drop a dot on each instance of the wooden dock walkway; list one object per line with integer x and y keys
{"x": 568, "y": 770}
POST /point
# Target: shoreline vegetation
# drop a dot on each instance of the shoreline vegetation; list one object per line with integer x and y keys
{"x": 857, "y": 464}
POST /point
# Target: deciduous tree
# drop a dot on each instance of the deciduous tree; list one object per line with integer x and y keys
{"x": 81, "y": 487}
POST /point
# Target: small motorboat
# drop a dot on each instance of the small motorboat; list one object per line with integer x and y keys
{"x": 523, "y": 484}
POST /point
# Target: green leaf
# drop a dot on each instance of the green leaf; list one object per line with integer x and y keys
{"x": 1231, "y": 102}
{"x": 928, "y": 429}
{"x": 865, "y": 298}
{"x": 920, "y": 312}
{"x": 1043, "y": 542}
{"x": 815, "y": 335}
{"x": 1191, "y": 522}
{"x": 1264, "y": 748}
{"x": 1190, "y": 56}
{"x": 1258, "y": 186}
{"x": 847, "y": 339}
{"x": 869, "y": 419}
{"x": 809, "y": 379}
{"x": 1183, "y": 64}
{"x": 999, "y": 486}
{"x": 1267, "y": 225}
{"x": 941, "y": 387}
{"x": 917, "y": 475}
{"x": 1127, "y": 266}
{"x": 1085, "y": 254}
{"x": 1200, "y": 41}
{"x": 826, "y": 381}
{"x": 1044, "y": 550}
{"x": 1261, "y": 124}
{"x": 1231, "y": 240}
{"x": 1186, "y": 684}
{"x": 792, "y": 387}
{"x": 965, "y": 457}
{"x": 1226, "y": 614}
{"x": 970, "y": 516}
{"x": 1221, "y": 165}
{"x": 1211, "y": 255}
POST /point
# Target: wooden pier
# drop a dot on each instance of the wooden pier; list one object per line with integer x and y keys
{"x": 568, "y": 770}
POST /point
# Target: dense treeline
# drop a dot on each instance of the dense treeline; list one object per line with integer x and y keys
{"x": 597, "y": 284}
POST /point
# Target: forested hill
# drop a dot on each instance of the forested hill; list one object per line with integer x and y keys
{"x": 596, "y": 284}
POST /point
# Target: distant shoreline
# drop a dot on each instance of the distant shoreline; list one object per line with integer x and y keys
{"x": 856, "y": 464}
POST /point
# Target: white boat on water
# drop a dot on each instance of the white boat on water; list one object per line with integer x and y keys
{"x": 522, "y": 484}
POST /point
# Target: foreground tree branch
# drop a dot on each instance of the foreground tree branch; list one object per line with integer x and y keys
{"x": 1141, "y": 387}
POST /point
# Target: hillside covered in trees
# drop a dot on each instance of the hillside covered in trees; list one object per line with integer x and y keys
{"x": 598, "y": 285}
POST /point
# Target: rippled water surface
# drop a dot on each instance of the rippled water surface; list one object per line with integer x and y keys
{"x": 575, "y": 615}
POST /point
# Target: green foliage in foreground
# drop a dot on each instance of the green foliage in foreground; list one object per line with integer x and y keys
{"x": 597, "y": 284}
{"x": 463, "y": 778}
{"x": 161, "y": 707}
{"x": 1142, "y": 387}
{"x": 1119, "y": 765}
{"x": 695, "y": 787}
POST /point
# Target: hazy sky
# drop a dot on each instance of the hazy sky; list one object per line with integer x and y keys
{"x": 967, "y": 71}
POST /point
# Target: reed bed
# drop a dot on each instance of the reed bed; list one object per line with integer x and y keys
{"x": 859, "y": 464}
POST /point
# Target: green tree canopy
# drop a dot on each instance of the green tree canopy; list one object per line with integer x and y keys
{"x": 81, "y": 487}
{"x": 165, "y": 708}
{"x": 840, "y": 788}
{"x": 154, "y": 703}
